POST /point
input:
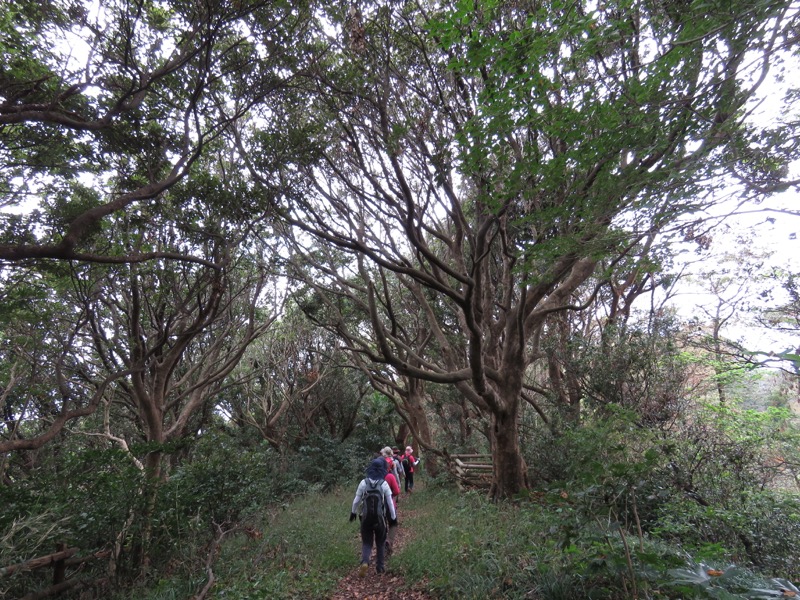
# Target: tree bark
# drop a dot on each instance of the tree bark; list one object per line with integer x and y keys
{"x": 420, "y": 425}
{"x": 510, "y": 471}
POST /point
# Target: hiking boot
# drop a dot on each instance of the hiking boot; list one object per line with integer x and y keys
{"x": 362, "y": 570}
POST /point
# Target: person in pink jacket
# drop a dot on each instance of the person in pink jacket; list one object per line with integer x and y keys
{"x": 395, "y": 487}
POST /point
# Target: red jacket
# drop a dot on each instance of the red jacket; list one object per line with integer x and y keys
{"x": 394, "y": 486}
{"x": 411, "y": 461}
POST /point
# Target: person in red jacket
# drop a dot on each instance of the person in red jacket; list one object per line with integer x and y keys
{"x": 395, "y": 487}
{"x": 391, "y": 465}
{"x": 408, "y": 458}
{"x": 392, "y": 478}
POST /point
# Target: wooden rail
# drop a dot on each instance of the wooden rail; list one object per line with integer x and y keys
{"x": 472, "y": 470}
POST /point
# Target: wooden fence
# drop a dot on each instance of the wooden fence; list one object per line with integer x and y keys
{"x": 472, "y": 470}
{"x": 60, "y": 560}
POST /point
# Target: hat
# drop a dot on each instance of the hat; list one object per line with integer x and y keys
{"x": 409, "y": 449}
{"x": 377, "y": 469}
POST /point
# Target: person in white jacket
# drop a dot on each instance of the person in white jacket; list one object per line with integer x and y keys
{"x": 377, "y": 514}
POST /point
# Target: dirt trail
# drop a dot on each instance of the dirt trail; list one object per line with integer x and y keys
{"x": 388, "y": 586}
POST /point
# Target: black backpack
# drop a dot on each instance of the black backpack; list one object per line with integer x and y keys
{"x": 374, "y": 510}
{"x": 406, "y": 463}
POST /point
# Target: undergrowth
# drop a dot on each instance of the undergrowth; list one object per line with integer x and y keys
{"x": 462, "y": 546}
{"x": 295, "y": 550}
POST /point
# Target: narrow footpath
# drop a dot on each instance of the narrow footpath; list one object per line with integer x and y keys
{"x": 389, "y": 585}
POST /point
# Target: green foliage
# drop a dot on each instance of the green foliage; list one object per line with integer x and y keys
{"x": 612, "y": 468}
{"x": 701, "y": 580}
{"x": 100, "y": 484}
{"x": 25, "y": 536}
{"x": 545, "y": 547}
{"x": 327, "y": 462}
{"x": 85, "y": 503}
{"x": 473, "y": 548}
{"x": 637, "y": 366}
{"x": 222, "y": 480}
{"x": 305, "y": 549}
{"x": 707, "y": 486}
{"x": 758, "y": 530}
{"x": 461, "y": 545}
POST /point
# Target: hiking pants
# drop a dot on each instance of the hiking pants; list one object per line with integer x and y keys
{"x": 409, "y": 480}
{"x": 373, "y": 533}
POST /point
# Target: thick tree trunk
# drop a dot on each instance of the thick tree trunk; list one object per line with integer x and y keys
{"x": 152, "y": 482}
{"x": 402, "y": 435}
{"x": 422, "y": 430}
{"x": 510, "y": 471}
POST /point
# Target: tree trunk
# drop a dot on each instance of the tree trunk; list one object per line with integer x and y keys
{"x": 402, "y": 435}
{"x": 510, "y": 472}
{"x": 465, "y": 429}
{"x": 420, "y": 426}
{"x": 150, "y": 489}
{"x": 719, "y": 360}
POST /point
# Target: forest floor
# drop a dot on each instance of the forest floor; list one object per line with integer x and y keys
{"x": 390, "y": 585}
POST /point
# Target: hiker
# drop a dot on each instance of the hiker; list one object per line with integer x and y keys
{"x": 394, "y": 484}
{"x": 391, "y": 465}
{"x": 409, "y": 463}
{"x": 392, "y": 474}
{"x": 399, "y": 462}
{"x": 375, "y": 498}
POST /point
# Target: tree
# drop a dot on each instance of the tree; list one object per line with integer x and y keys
{"x": 342, "y": 307}
{"x": 785, "y": 318}
{"x": 48, "y": 379}
{"x": 488, "y": 156}
{"x": 293, "y": 383}
{"x": 180, "y": 331}
{"x": 104, "y": 109}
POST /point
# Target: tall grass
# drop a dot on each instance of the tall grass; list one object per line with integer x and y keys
{"x": 472, "y": 548}
{"x": 297, "y": 550}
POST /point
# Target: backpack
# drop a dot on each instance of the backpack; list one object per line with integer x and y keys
{"x": 373, "y": 507}
{"x": 406, "y": 464}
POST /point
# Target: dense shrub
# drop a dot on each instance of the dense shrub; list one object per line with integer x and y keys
{"x": 86, "y": 504}
{"x": 609, "y": 467}
{"x": 708, "y": 485}
{"x": 759, "y": 531}
{"x": 221, "y": 479}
